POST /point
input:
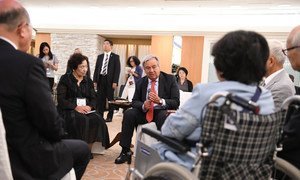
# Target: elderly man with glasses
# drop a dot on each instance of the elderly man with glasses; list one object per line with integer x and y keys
{"x": 293, "y": 48}
{"x": 291, "y": 144}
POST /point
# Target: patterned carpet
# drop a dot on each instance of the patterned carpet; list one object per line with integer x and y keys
{"x": 103, "y": 166}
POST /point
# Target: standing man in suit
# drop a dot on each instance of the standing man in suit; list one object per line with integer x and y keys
{"x": 277, "y": 79}
{"x": 33, "y": 126}
{"x": 291, "y": 142}
{"x": 106, "y": 78}
{"x": 154, "y": 94}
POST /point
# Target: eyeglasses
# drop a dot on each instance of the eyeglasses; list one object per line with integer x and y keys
{"x": 288, "y": 49}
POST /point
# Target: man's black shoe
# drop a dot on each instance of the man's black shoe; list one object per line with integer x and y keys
{"x": 108, "y": 120}
{"x": 123, "y": 157}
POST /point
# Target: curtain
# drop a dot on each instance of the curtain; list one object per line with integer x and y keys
{"x": 132, "y": 50}
{"x": 143, "y": 50}
{"x": 121, "y": 49}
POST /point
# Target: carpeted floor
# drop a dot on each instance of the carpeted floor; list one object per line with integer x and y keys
{"x": 103, "y": 166}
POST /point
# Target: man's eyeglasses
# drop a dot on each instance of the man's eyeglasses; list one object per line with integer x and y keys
{"x": 288, "y": 49}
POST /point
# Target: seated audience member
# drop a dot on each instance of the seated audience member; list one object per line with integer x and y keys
{"x": 277, "y": 79}
{"x": 154, "y": 94}
{"x": 33, "y": 126}
{"x": 77, "y": 101}
{"x": 291, "y": 144}
{"x": 183, "y": 83}
{"x": 240, "y": 59}
{"x": 134, "y": 74}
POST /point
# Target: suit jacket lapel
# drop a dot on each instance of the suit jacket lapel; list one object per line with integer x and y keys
{"x": 161, "y": 85}
{"x": 100, "y": 62}
{"x": 144, "y": 88}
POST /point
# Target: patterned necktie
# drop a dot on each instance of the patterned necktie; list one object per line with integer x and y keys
{"x": 104, "y": 68}
{"x": 149, "y": 115}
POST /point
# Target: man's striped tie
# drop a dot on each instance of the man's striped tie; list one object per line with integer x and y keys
{"x": 104, "y": 68}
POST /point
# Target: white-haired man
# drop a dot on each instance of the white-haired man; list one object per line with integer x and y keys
{"x": 154, "y": 94}
{"x": 277, "y": 79}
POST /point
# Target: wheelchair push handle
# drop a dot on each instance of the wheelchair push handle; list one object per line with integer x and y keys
{"x": 249, "y": 105}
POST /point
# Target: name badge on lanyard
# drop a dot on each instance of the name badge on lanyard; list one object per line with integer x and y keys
{"x": 81, "y": 102}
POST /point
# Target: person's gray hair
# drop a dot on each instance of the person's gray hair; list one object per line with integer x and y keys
{"x": 276, "y": 50}
{"x": 149, "y": 57}
{"x": 14, "y": 17}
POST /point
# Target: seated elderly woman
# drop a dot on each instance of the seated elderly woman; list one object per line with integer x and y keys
{"x": 240, "y": 60}
{"x": 77, "y": 101}
{"x": 183, "y": 83}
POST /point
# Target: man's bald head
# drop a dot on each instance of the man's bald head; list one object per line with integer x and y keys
{"x": 294, "y": 37}
{"x": 12, "y": 14}
{"x": 293, "y": 48}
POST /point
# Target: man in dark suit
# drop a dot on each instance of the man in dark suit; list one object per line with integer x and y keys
{"x": 33, "y": 126}
{"x": 157, "y": 91}
{"x": 291, "y": 129}
{"x": 106, "y": 78}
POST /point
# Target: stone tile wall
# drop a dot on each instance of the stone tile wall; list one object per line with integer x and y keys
{"x": 63, "y": 45}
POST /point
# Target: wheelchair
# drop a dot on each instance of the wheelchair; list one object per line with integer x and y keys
{"x": 243, "y": 151}
{"x": 283, "y": 169}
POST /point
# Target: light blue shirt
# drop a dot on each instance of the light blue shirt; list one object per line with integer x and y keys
{"x": 185, "y": 123}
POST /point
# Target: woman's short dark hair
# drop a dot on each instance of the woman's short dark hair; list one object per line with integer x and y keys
{"x": 182, "y": 69}
{"x": 135, "y": 59}
{"x": 75, "y": 60}
{"x": 241, "y": 56}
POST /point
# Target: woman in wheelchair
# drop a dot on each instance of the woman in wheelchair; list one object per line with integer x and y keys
{"x": 239, "y": 59}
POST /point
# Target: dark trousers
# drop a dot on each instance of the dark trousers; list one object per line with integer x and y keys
{"x": 132, "y": 118}
{"x": 81, "y": 155}
{"x": 51, "y": 83}
{"x": 104, "y": 91}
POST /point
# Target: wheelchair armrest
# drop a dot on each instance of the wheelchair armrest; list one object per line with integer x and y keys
{"x": 173, "y": 143}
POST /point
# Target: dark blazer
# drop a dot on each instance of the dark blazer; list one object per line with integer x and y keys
{"x": 167, "y": 89}
{"x": 113, "y": 72}
{"x": 33, "y": 126}
{"x": 68, "y": 92}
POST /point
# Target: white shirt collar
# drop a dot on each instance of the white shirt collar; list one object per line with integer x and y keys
{"x": 108, "y": 53}
{"x": 9, "y": 41}
{"x": 270, "y": 77}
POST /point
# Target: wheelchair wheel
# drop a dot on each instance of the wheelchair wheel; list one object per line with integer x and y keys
{"x": 285, "y": 170}
{"x": 169, "y": 171}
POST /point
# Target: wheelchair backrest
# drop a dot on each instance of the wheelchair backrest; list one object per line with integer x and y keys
{"x": 291, "y": 128}
{"x": 242, "y": 152}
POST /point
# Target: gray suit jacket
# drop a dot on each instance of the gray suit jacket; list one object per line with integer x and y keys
{"x": 281, "y": 87}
